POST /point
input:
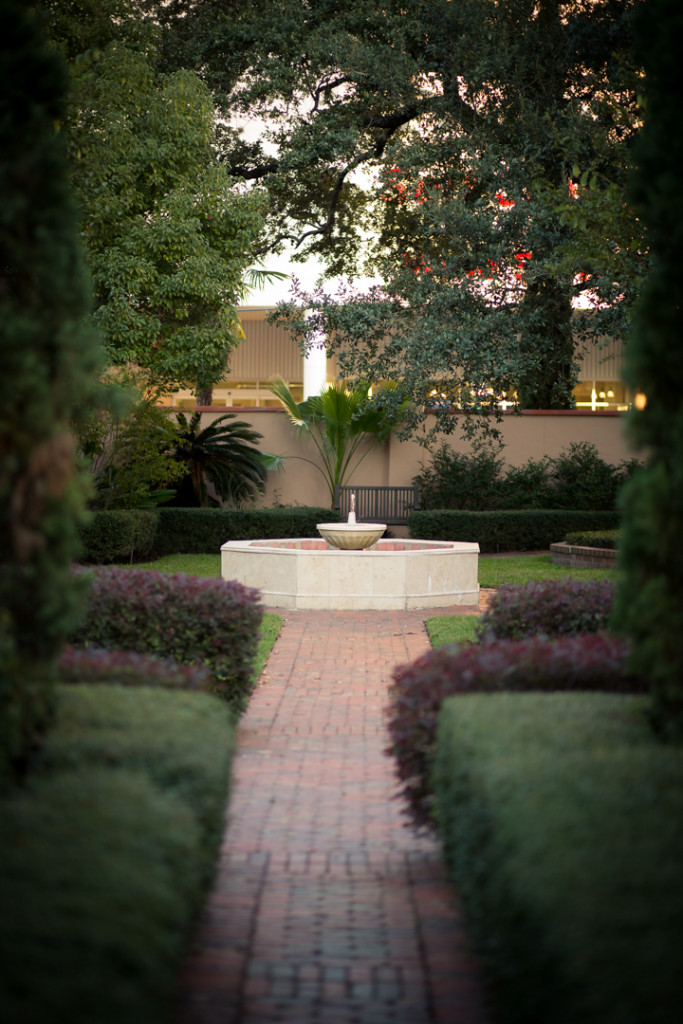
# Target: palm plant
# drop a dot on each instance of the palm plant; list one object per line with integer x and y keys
{"x": 223, "y": 454}
{"x": 339, "y": 421}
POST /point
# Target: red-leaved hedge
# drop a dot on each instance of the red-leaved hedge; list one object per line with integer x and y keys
{"x": 209, "y": 622}
{"x": 127, "y": 668}
{"x": 588, "y": 662}
{"x": 547, "y": 608}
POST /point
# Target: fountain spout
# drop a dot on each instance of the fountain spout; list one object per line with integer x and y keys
{"x": 352, "y": 511}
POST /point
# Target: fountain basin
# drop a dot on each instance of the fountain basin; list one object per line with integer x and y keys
{"x": 351, "y": 536}
{"x": 393, "y": 575}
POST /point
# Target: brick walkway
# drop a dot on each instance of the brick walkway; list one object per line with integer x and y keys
{"x": 327, "y": 908}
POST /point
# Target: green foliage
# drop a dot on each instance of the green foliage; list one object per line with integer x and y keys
{"x": 468, "y": 121}
{"x": 117, "y": 534}
{"x": 107, "y": 854}
{"x": 130, "y": 456}
{"x": 341, "y": 423}
{"x": 461, "y": 480}
{"x": 211, "y": 622}
{"x": 649, "y": 605}
{"x": 593, "y": 538}
{"x": 195, "y": 530}
{"x": 547, "y": 608}
{"x": 528, "y": 530}
{"x": 224, "y": 454}
{"x": 578, "y": 662}
{"x": 580, "y": 478}
{"x": 49, "y": 365}
{"x": 561, "y": 819}
{"x": 577, "y": 478}
{"x": 169, "y": 233}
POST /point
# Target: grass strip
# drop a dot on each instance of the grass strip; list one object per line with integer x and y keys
{"x": 107, "y": 854}
{"x": 562, "y": 819}
{"x": 451, "y": 629}
{"x": 494, "y": 572}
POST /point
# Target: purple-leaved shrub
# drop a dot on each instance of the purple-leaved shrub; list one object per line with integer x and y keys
{"x": 210, "y": 622}
{"x": 592, "y": 662}
{"x": 547, "y": 608}
{"x": 127, "y": 668}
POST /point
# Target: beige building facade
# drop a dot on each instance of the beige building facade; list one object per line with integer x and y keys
{"x": 268, "y": 350}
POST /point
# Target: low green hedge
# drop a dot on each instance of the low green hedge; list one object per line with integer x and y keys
{"x": 594, "y": 538}
{"x": 204, "y": 530}
{"x": 107, "y": 855}
{"x": 210, "y": 622}
{"x": 118, "y": 535}
{"x": 562, "y": 819}
{"x": 527, "y": 530}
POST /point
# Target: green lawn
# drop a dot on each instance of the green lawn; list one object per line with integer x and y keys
{"x": 494, "y": 572}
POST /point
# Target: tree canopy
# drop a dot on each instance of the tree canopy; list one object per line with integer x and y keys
{"x": 494, "y": 139}
{"x": 169, "y": 233}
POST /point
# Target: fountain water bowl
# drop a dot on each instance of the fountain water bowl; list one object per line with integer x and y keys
{"x": 351, "y": 536}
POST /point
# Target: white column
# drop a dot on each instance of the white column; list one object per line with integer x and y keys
{"x": 315, "y": 370}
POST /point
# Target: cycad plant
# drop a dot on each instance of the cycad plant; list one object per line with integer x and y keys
{"x": 339, "y": 421}
{"x": 224, "y": 454}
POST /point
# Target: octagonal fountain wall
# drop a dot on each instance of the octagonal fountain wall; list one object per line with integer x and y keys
{"x": 391, "y": 575}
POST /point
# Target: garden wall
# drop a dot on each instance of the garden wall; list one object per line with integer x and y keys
{"x": 529, "y": 436}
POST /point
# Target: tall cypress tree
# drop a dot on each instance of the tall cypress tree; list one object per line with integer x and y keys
{"x": 650, "y": 601}
{"x": 49, "y": 368}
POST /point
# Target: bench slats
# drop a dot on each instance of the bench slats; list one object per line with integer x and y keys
{"x": 390, "y": 505}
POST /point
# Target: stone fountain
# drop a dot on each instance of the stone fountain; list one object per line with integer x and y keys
{"x": 350, "y": 566}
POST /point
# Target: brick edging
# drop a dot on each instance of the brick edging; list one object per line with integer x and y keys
{"x": 581, "y": 557}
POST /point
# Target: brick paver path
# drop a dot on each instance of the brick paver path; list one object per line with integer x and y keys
{"x": 327, "y": 908}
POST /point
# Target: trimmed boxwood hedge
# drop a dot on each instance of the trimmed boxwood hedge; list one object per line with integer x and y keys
{"x": 108, "y": 851}
{"x": 204, "y": 530}
{"x": 561, "y": 819}
{"x": 527, "y": 530}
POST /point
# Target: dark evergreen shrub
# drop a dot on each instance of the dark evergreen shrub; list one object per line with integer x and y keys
{"x": 578, "y": 662}
{"x": 118, "y": 535}
{"x": 211, "y": 622}
{"x": 49, "y": 367}
{"x": 527, "y": 486}
{"x": 579, "y": 478}
{"x": 650, "y": 603}
{"x": 547, "y": 608}
{"x": 461, "y": 480}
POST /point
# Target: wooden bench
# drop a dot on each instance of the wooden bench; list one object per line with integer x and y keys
{"x": 390, "y": 505}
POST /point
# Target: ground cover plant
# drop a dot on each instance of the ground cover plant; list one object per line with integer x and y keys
{"x": 561, "y": 818}
{"x": 108, "y": 851}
